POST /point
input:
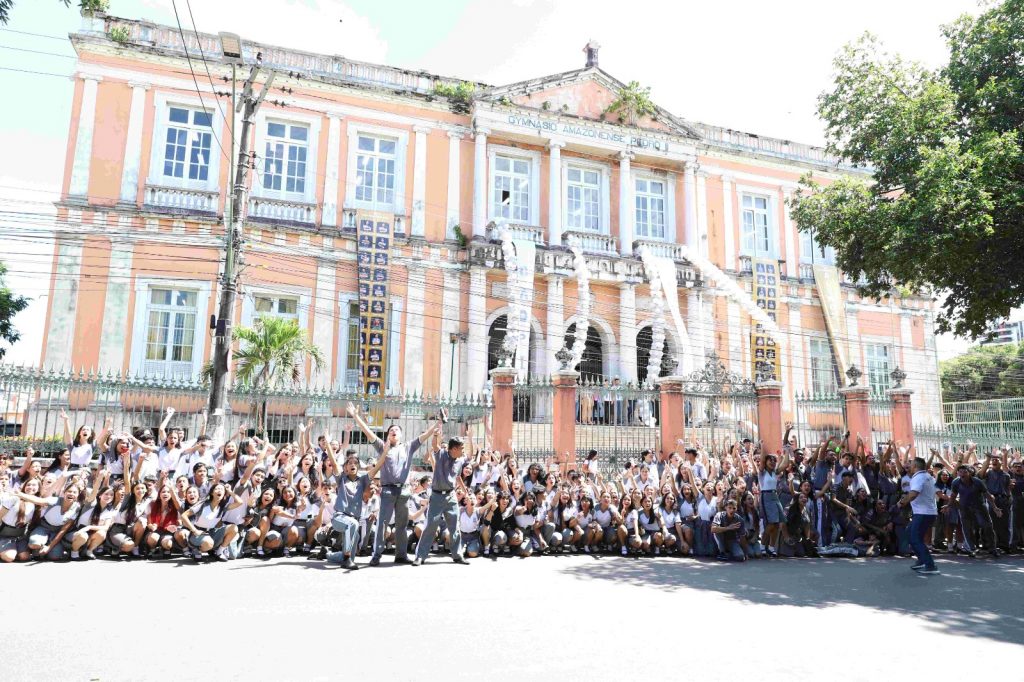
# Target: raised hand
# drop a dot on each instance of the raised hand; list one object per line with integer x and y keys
{"x": 350, "y": 409}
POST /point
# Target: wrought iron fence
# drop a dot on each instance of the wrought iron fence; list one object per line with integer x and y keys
{"x": 880, "y": 412}
{"x": 958, "y": 437}
{"x": 819, "y": 416}
{"x": 32, "y": 399}
{"x": 719, "y": 404}
{"x": 1002, "y": 413}
{"x": 617, "y": 421}
{"x": 532, "y": 410}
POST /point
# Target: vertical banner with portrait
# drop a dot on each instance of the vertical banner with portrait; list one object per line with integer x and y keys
{"x": 763, "y": 350}
{"x": 375, "y": 236}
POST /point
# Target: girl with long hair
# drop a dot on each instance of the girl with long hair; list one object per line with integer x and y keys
{"x": 16, "y": 512}
{"x": 162, "y": 523}
{"x": 208, "y": 533}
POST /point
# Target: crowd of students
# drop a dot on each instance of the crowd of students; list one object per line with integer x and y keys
{"x": 125, "y": 495}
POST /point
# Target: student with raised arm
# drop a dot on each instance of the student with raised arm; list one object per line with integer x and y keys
{"x": 397, "y": 456}
{"x": 443, "y": 505}
{"x": 348, "y": 505}
{"x": 772, "y": 512}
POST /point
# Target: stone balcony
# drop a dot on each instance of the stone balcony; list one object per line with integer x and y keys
{"x": 178, "y": 200}
{"x": 280, "y": 211}
{"x": 529, "y": 233}
{"x": 591, "y": 242}
{"x": 659, "y": 248}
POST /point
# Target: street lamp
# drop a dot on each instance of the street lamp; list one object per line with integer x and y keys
{"x": 231, "y": 47}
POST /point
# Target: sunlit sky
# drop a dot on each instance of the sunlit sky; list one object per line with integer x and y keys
{"x": 750, "y": 65}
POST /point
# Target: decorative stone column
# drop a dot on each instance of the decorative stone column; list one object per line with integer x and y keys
{"x": 480, "y": 182}
{"x": 626, "y": 208}
{"x": 563, "y": 420}
{"x": 690, "y": 206}
{"x": 728, "y": 228}
{"x": 627, "y": 333}
{"x": 702, "y": 213}
{"x": 902, "y": 411}
{"x": 858, "y": 413}
{"x": 414, "y": 329}
{"x": 476, "y": 347}
{"x": 419, "y": 182}
{"x": 555, "y": 337}
{"x": 672, "y": 415}
{"x": 792, "y": 260}
{"x": 324, "y": 317}
{"x": 329, "y": 211}
{"x": 504, "y": 379}
{"x": 133, "y": 145}
{"x": 769, "y": 415}
{"x": 555, "y": 192}
{"x": 454, "y": 180}
{"x": 79, "y": 188}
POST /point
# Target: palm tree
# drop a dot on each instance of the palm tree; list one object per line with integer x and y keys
{"x": 271, "y": 355}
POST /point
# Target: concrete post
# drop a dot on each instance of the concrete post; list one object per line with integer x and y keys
{"x": 672, "y": 422}
{"x": 503, "y": 380}
{"x": 902, "y": 415}
{"x": 563, "y": 419}
{"x": 769, "y": 415}
{"x": 858, "y": 415}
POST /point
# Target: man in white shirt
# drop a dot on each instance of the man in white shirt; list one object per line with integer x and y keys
{"x": 921, "y": 498}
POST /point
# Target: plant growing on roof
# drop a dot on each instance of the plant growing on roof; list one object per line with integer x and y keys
{"x": 119, "y": 34}
{"x": 92, "y": 6}
{"x": 459, "y": 95}
{"x": 632, "y": 104}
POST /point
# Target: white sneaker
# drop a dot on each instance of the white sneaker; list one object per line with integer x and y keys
{"x": 657, "y": 551}
{"x": 624, "y": 551}
{"x": 74, "y": 555}
{"x": 135, "y": 552}
{"x": 487, "y": 550}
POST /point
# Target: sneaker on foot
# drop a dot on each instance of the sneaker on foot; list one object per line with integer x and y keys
{"x": 286, "y": 553}
{"x": 624, "y": 551}
{"x": 74, "y": 556}
{"x": 657, "y": 551}
{"x": 917, "y": 567}
{"x": 928, "y": 571}
{"x": 487, "y": 550}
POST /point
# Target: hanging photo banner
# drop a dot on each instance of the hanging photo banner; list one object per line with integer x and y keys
{"x": 375, "y": 232}
{"x": 764, "y": 352}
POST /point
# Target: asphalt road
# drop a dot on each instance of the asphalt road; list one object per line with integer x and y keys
{"x": 546, "y": 618}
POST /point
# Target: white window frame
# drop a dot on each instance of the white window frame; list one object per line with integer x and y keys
{"x": 401, "y": 138}
{"x": 140, "y": 319}
{"x": 495, "y": 207}
{"x": 670, "y": 203}
{"x": 870, "y": 373}
{"x": 832, "y": 385}
{"x": 302, "y": 296}
{"x": 772, "y": 209}
{"x": 394, "y": 341}
{"x": 162, "y": 103}
{"x": 604, "y": 196}
{"x": 811, "y": 252}
{"x": 534, "y": 158}
{"x": 312, "y": 157}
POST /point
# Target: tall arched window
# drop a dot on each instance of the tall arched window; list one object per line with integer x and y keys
{"x": 591, "y": 367}
{"x": 496, "y": 336}
{"x": 643, "y": 355}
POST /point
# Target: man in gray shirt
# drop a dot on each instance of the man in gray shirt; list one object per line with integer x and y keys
{"x": 394, "y": 477}
{"x": 348, "y": 505}
{"x": 443, "y": 505}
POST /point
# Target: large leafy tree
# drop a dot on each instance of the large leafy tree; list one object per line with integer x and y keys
{"x": 945, "y": 206}
{"x": 984, "y": 372}
{"x": 10, "y": 305}
{"x": 271, "y": 355}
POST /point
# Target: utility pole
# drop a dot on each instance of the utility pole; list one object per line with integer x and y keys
{"x": 247, "y": 104}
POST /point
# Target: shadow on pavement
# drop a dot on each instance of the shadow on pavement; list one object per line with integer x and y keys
{"x": 981, "y": 598}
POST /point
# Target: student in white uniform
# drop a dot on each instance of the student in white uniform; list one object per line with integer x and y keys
{"x": 129, "y": 525}
{"x": 586, "y": 523}
{"x": 606, "y": 516}
{"x": 45, "y": 541}
{"x": 81, "y": 444}
{"x": 16, "y": 511}
{"x": 282, "y": 536}
{"x": 93, "y": 524}
{"x": 209, "y": 534}
{"x": 469, "y": 526}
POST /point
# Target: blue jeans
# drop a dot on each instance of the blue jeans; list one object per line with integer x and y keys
{"x": 731, "y": 549}
{"x": 920, "y": 525}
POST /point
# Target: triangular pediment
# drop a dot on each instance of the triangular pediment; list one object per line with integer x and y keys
{"x": 584, "y": 93}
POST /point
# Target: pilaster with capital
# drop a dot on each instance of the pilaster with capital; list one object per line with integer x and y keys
{"x": 555, "y": 192}
{"x": 454, "y": 180}
{"x": 329, "y": 212}
{"x": 480, "y": 181}
{"x": 476, "y": 345}
{"x": 626, "y": 201}
{"x": 419, "y": 182}
{"x": 133, "y": 145}
{"x": 79, "y": 187}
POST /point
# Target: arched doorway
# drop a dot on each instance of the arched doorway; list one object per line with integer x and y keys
{"x": 591, "y": 367}
{"x": 643, "y": 355}
{"x": 496, "y": 336}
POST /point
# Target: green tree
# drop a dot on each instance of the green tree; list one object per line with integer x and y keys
{"x": 632, "y": 104}
{"x": 271, "y": 355}
{"x": 946, "y": 204}
{"x": 10, "y": 305}
{"x": 984, "y": 372}
{"x": 84, "y": 5}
